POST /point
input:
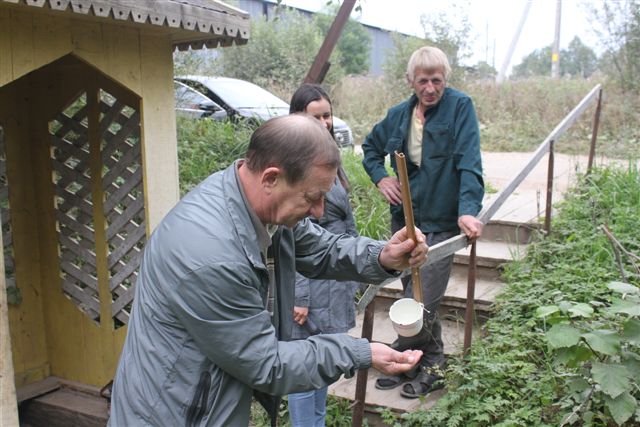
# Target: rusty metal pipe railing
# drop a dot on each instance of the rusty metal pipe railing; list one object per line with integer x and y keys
{"x": 361, "y": 380}
{"x": 594, "y": 132}
{"x": 549, "y": 202}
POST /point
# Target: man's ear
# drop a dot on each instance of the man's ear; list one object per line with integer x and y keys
{"x": 270, "y": 177}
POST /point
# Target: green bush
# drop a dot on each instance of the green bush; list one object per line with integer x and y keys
{"x": 206, "y": 146}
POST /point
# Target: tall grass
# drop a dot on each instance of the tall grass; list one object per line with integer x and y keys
{"x": 206, "y": 146}
{"x": 370, "y": 209}
{"x": 514, "y": 116}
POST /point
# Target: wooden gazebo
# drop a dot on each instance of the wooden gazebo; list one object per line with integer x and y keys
{"x": 88, "y": 167}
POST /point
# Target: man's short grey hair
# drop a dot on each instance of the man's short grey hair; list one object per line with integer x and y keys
{"x": 430, "y": 59}
{"x": 293, "y": 143}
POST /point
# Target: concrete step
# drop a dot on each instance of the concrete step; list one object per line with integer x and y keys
{"x": 486, "y": 289}
{"x": 491, "y": 253}
{"x": 510, "y": 231}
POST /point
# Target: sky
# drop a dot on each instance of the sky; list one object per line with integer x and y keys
{"x": 494, "y": 23}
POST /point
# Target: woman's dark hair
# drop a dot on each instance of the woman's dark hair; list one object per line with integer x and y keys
{"x": 303, "y": 96}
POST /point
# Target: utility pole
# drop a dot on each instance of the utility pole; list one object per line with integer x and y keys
{"x": 555, "y": 56}
{"x": 514, "y": 41}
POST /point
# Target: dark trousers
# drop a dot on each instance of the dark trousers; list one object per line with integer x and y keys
{"x": 434, "y": 279}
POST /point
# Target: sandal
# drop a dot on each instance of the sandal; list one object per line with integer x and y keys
{"x": 423, "y": 384}
{"x": 389, "y": 382}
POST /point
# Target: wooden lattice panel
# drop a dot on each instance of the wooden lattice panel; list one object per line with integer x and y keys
{"x": 121, "y": 196}
{"x": 74, "y": 206}
{"x": 124, "y": 200}
{"x": 7, "y": 236}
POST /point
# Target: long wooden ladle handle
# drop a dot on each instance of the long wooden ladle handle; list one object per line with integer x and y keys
{"x": 407, "y": 208}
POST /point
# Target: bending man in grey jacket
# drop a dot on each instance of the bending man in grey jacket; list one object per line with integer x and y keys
{"x": 213, "y": 305}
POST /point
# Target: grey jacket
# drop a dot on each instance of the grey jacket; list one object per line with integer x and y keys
{"x": 199, "y": 338}
{"x": 331, "y": 303}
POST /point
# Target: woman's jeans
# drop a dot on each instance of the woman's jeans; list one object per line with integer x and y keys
{"x": 308, "y": 408}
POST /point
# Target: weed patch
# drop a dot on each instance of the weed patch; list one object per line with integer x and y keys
{"x": 563, "y": 346}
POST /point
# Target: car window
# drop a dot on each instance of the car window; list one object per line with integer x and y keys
{"x": 241, "y": 94}
{"x": 185, "y": 97}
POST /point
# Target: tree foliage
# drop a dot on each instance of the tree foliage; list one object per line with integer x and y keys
{"x": 281, "y": 50}
{"x": 578, "y": 60}
{"x": 617, "y": 25}
{"x": 354, "y": 44}
{"x": 279, "y": 53}
{"x": 449, "y": 31}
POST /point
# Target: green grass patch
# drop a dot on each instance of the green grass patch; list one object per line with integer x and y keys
{"x": 206, "y": 146}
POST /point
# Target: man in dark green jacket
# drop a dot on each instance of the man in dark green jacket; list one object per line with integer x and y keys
{"x": 437, "y": 130}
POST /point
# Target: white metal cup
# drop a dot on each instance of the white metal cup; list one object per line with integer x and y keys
{"x": 406, "y": 316}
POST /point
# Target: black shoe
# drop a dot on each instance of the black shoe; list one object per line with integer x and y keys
{"x": 422, "y": 385}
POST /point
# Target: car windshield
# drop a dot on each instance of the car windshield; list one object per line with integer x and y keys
{"x": 240, "y": 94}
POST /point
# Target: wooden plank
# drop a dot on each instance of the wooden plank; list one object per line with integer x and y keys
{"x": 86, "y": 39}
{"x": 6, "y": 61}
{"x": 52, "y": 38}
{"x": 39, "y": 388}
{"x": 26, "y": 321}
{"x": 22, "y": 51}
{"x": 122, "y": 58}
{"x": 8, "y": 403}
{"x": 66, "y": 407}
{"x": 159, "y": 149}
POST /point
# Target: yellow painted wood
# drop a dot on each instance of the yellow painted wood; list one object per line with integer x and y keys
{"x": 122, "y": 56}
{"x": 159, "y": 149}
{"x": 50, "y": 335}
{"x": 52, "y": 38}
{"x": 6, "y": 74}
{"x": 8, "y": 403}
{"x": 86, "y": 38}
{"x": 22, "y": 54}
{"x": 26, "y": 320}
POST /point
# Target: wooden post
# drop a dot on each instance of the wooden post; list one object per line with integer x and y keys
{"x": 8, "y": 402}
{"x": 407, "y": 208}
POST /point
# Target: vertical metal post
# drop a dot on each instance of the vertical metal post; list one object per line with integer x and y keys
{"x": 319, "y": 67}
{"x": 471, "y": 291}
{"x": 361, "y": 379}
{"x": 594, "y": 132}
{"x": 547, "y": 213}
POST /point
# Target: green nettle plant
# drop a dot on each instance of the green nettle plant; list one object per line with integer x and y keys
{"x": 563, "y": 345}
{"x": 598, "y": 356}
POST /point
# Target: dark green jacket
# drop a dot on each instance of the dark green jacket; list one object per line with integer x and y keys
{"x": 448, "y": 184}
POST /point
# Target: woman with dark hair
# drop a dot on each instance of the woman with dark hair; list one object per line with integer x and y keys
{"x": 322, "y": 306}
